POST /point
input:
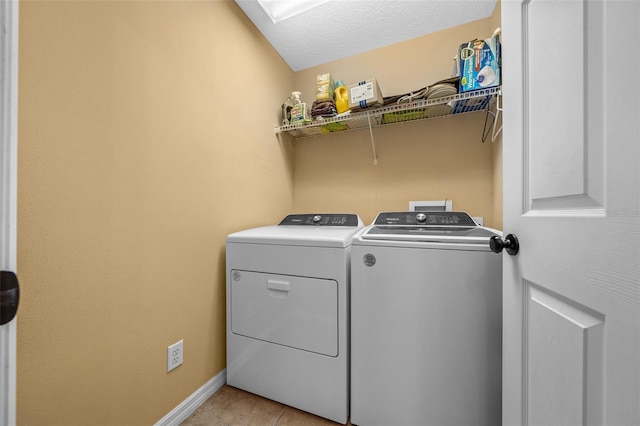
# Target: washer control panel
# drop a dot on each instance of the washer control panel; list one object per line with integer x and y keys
{"x": 316, "y": 219}
{"x": 425, "y": 218}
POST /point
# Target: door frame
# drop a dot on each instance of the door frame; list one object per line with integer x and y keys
{"x": 8, "y": 195}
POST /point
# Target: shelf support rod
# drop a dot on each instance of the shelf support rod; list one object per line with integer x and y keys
{"x": 373, "y": 143}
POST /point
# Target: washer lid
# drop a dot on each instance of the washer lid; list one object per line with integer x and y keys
{"x": 317, "y": 230}
{"x": 443, "y": 227}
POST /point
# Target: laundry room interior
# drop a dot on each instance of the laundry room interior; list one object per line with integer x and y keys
{"x": 146, "y": 137}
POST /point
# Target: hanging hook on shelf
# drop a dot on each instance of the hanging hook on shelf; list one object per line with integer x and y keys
{"x": 485, "y": 132}
{"x": 494, "y": 132}
{"x": 493, "y": 129}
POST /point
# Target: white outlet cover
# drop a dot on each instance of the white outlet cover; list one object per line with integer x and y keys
{"x": 174, "y": 355}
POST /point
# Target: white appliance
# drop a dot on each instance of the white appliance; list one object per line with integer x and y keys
{"x": 426, "y": 322}
{"x": 288, "y": 312}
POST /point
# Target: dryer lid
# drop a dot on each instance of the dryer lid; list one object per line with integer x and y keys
{"x": 317, "y": 219}
{"x": 313, "y": 230}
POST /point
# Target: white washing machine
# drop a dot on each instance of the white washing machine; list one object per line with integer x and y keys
{"x": 426, "y": 322}
{"x": 288, "y": 312}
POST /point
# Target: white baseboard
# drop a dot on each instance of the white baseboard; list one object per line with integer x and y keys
{"x": 195, "y": 400}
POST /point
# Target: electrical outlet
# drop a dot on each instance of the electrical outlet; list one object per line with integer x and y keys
{"x": 174, "y": 355}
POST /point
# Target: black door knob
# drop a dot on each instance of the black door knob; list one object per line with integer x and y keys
{"x": 9, "y": 296}
{"x": 510, "y": 243}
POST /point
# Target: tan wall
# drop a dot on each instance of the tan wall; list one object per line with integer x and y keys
{"x": 428, "y": 160}
{"x": 145, "y": 137}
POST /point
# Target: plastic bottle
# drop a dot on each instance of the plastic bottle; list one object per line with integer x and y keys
{"x": 299, "y": 111}
{"x": 342, "y": 97}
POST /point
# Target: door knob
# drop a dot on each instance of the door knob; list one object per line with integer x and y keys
{"x": 510, "y": 243}
{"x": 9, "y": 296}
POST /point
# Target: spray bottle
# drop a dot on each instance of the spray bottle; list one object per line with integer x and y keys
{"x": 299, "y": 111}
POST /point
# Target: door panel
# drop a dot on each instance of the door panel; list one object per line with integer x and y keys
{"x": 565, "y": 349}
{"x": 571, "y": 353}
{"x": 563, "y": 69}
{"x": 555, "y": 172}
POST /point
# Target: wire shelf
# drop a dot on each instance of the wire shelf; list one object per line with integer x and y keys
{"x": 478, "y": 100}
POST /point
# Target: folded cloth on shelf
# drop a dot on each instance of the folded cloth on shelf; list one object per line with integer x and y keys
{"x": 324, "y": 108}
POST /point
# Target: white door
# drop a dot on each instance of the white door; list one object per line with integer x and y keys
{"x": 572, "y": 196}
{"x": 8, "y": 190}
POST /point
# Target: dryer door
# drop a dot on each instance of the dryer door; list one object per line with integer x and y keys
{"x": 298, "y": 312}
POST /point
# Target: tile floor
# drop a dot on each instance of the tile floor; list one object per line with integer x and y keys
{"x": 234, "y": 407}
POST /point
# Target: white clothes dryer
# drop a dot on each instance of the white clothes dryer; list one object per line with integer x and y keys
{"x": 288, "y": 312}
{"x": 426, "y": 322}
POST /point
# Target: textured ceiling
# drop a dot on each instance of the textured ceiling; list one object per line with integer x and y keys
{"x": 341, "y": 28}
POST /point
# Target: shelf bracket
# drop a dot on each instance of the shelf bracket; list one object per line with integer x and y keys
{"x": 493, "y": 129}
{"x": 373, "y": 143}
{"x": 495, "y": 133}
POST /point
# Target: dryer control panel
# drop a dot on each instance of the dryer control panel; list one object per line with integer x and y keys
{"x": 316, "y": 219}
